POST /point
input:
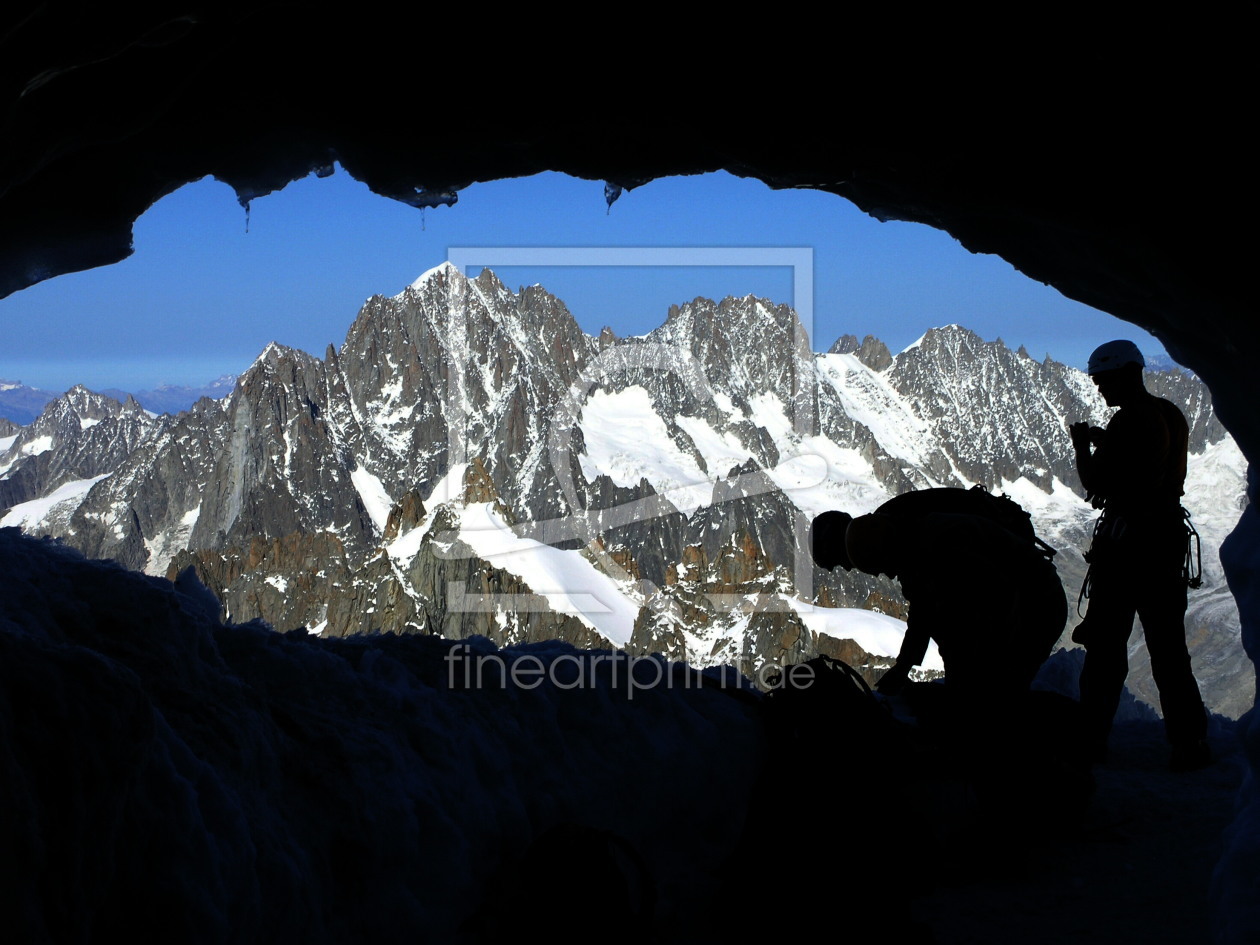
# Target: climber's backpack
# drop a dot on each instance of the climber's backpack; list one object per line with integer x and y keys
{"x": 1012, "y": 516}
{"x": 976, "y": 501}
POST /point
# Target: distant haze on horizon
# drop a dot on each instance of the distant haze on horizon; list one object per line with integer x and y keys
{"x": 202, "y": 296}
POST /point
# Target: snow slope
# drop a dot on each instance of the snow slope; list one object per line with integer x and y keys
{"x": 186, "y": 781}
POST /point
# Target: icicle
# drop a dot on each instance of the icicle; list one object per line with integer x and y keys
{"x": 611, "y": 193}
{"x": 245, "y": 195}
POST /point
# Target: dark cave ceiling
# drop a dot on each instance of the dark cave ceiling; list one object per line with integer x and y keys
{"x": 1110, "y": 167}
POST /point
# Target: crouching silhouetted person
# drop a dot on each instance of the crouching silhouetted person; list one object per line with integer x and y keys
{"x": 991, "y": 600}
{"x": 983, "y": 588}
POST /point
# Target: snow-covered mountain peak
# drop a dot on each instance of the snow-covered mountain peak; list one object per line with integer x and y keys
{"x": 730, "y": 317}
{"x": 86, "y": 407}
{"x": 950, "y": 338}
{"x": 441, "y": 274}
{"x": 274, "y": 353}
{"x": 745, "y": 346}
{"x": 946, "y": 337}
{"x": 77, "y": 409}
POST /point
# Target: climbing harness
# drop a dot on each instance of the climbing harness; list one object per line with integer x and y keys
{"x": 1113, "y": 529}
{"x": 1099, "y": 529}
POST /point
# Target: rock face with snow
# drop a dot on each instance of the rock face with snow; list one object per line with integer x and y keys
{"x": 78, "y": 440}
{"x": 469, "y": 462}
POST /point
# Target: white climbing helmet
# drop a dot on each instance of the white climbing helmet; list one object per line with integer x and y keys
{"x": 1115, "y": 354}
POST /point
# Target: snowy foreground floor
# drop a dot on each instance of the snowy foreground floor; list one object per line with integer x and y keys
{"x": 1137, "y": 869}
{"x": 166, "y": 778}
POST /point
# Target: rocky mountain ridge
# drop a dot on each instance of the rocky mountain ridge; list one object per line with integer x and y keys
{"x": 469, "y": 462}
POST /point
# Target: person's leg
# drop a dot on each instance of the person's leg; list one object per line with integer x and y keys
{"x": 1162, "y": 609}
{"x": 1109, "y": 623}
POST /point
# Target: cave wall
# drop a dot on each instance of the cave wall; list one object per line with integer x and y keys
{"x": 1111, "y": 167}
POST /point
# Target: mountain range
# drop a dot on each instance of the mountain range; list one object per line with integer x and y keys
{"x": 470, "y": 463}
{"x": 20, "y": 404}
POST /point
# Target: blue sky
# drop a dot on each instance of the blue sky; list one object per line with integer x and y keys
{"x": 202, "y": 295}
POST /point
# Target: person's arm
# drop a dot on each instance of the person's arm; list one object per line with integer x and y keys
{"x": 913, "y": 645}
{"x": 1084, "y": 438}
{"x": 913, "y": 649}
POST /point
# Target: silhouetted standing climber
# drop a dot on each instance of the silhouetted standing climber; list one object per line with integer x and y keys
{"x": 1135, "y": 472}
{"x": 991, "y": 600}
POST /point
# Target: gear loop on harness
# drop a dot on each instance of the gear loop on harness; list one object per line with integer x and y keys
{"x": 1089, "y": 559}
{"x": 1192, "y": 568}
